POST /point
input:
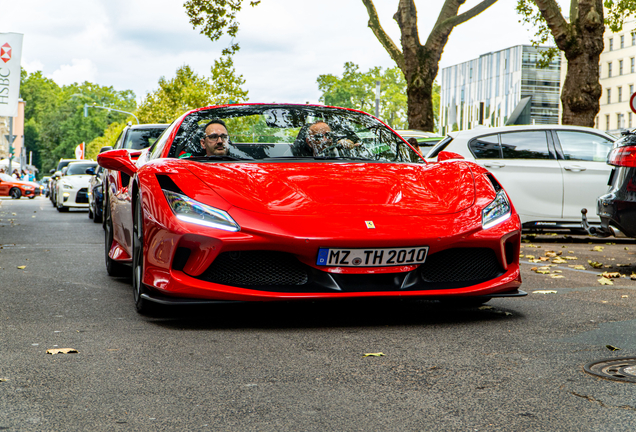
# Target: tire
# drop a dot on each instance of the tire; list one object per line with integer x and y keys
{"x": 113, "y": 267}
{"x": 142, "y": 305}
{"x": 97, "y": 218}
{"x": 62, "y": 209}
{"x": 15, "y": 193}
{"x": 32, "y": 197}
{"x": 90, "y": 212}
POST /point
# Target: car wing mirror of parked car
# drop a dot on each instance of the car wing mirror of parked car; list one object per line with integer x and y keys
{"x": 52, "y": 171}
{"x": 118, "y": 160}
{"x": 105, "y": 149}
{"x": 446, "y": 155}
{"x": 90, "y": 170}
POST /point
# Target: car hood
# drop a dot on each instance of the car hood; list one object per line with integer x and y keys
{"x": 341, "y": 188}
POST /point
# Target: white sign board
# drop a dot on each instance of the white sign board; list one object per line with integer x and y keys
{"x": 10, "y": 54}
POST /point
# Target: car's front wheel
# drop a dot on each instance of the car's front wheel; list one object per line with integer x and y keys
{"x": 142, "y": 305}
{"x": 15, "y": 193}
{"x": 113, "y": 267}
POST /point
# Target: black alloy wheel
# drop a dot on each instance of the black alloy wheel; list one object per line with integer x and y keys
{"x": 113, "y": 267}
{"x": 15, "y": 193}
{"x": 143, "y": 306}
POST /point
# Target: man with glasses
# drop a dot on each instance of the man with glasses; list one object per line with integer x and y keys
{"x": 320, "y": 141}
{"x": 215, "y": 141}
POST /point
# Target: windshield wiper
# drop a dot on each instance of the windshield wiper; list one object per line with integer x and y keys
{"x": 216, "y": 157}
{"x": 340, "y": 158}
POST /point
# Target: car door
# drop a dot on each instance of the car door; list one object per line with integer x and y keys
{"x": 529, "y": 171}
{"x": 585, "y": 170}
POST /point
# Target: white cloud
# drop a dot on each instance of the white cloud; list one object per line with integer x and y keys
{"x": 79, "y": 71}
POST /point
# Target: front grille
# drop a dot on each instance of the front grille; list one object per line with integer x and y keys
{"x": 461, "y": 265}
{"x": 256, "y": 268}
{"x": 82, "y": 196}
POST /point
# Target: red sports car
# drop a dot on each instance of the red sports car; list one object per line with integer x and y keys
{"x": 261, "y": 202}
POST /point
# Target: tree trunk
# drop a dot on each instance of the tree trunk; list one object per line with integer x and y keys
{"x": 581, "y": 40}
{"x": 581, "y": 90}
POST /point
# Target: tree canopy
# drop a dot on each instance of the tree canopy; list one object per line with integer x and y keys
{"x": 356, "y": 89}
{"x": 54, "y": 115}
{"x": 581, "y": 39}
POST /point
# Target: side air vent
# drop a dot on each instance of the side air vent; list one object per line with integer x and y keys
{"x": 166, "y": 183}
{"x": 494, "y": 182}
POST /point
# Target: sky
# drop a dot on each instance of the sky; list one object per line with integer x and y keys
{"x": 285, "y": 44}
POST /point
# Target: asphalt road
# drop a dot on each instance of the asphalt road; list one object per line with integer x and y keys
{"x": 516, "y": 365}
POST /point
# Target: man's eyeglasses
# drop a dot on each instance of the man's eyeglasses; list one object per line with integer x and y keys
{"x": 320, "y": 137}
{"x": 214, "y": 137}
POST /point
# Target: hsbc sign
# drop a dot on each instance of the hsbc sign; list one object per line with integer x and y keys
{"x": 10, "y": 53}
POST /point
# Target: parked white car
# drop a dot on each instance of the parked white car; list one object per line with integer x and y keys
{"x": 72, "y": 187}
{"x": 550, "y": 172}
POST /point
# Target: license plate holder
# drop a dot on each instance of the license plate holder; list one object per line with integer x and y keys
{"x": 371, "y": 257}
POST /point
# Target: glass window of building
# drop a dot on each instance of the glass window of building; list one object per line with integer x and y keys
{"x": 611, "y": 44}
{"x": 631, "y": 65}
{"x": 633, "y": 38}
{"x": 525, "y": 145}
{"x": 620, "y": 94}
{"x": 584, "y": 146}
{"x": 486, "y": 147}
{"x": 618, "y": 120}
{"x": 620, "y": 67}
{"x": 609, "y": 96}
{"x": 606, "y": 121}
{"x": 609, "y": 70}
{"x": 622, "y": 41}
{"x": 629, "y": 120}
{"x": 631, "y": 89}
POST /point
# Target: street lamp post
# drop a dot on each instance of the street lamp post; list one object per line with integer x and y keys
{"x": 87, "y": 106}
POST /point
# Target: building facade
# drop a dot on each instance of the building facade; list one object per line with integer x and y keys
{"x": 499, "y": 88}
{"x": 617, "y": 78}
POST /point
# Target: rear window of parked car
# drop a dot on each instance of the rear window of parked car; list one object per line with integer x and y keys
{"x": 584, "y": 146}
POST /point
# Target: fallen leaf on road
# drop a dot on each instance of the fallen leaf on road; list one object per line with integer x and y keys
{"x": 543, "y": 271}
{"x": 610, "y": 243}
{"x": 611, "y": 275}
{"x": 530, "y": 257}
{"x": 378, "y": 354}
{"x": 577, "y": 267}
{"x": 555, "y": 276}
{"x": 570, "y": 257}
{"x": 550, "y": 254}
{"x": 626, "y": 248}
{"x": 62, "y": 351}
{"x": 595, "y": 264}
{"x": 605, "y": 281}
{"x": 520, "y": 255}
{"x": 624, "y": 296}
{"x": 558, "y": 261}
{"x": 544, "y": 258}
{"x": 534, "y": 268}
{"x": 21, "y": 267}
{"x": 597, "y": 248}
{"x": 633, "y": 276}
{"x": 612, "y": 348}
{"x": 544, "y": 292}
{"x": 485, "y": 307}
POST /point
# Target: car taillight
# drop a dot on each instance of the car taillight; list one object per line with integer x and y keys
{"x": 623, "y": 156}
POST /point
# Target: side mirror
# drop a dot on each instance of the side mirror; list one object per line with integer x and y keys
{"x": 90, "y": 170}
{"x": 52, "y": 171}
{"x": 105, "y": 148}
{"x": 118, "y": 160}
{"x": 446, "y": 155}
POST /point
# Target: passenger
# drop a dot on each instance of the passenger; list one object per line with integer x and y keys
{"x": 216, "y": 139}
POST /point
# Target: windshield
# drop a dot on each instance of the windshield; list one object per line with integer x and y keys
{"x": 79, "y": 168}
{"x": 138, "y": 139}
{"x": 265, "y": 132}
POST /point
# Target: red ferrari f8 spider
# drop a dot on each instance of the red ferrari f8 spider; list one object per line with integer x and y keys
{"x": 258, "y": 202}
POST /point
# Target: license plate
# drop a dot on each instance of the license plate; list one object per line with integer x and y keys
{"x": 372, "y": 257}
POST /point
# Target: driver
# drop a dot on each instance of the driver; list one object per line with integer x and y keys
{"x": 320, "y": 139}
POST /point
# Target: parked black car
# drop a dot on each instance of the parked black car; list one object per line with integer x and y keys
{"x": 96, "y": 194}
{"x": 617, "y": 208}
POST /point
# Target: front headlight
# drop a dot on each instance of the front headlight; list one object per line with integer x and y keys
{"x": 189, "y": 210}
{"x": 496, "y": 212}
{"x": 67, "y": 186}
